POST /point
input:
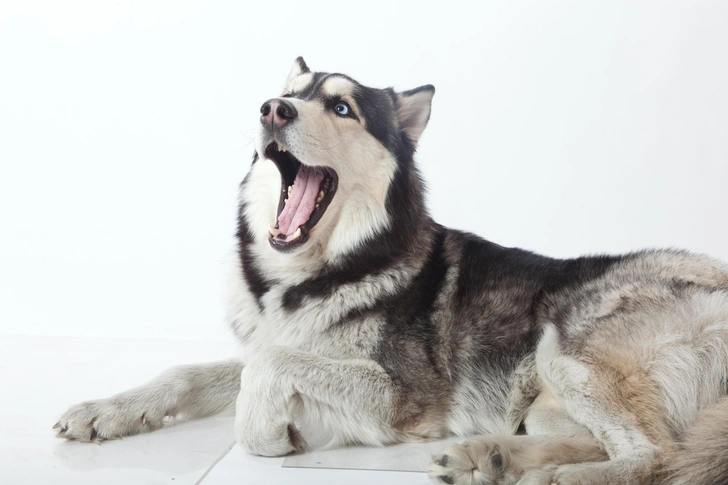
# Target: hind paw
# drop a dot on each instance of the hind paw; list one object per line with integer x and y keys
{"x": 474, "y": 462}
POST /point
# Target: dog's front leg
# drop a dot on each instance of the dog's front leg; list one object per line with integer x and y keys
{"x": 341, "y": 401}
{"x": 194, "y": 391}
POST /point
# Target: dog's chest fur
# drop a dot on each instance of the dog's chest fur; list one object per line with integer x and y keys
{"x": 319, "y": 324}
{"x": 301, "y": 300}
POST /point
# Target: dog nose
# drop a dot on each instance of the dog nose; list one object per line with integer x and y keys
{"x": 276, "y": 113}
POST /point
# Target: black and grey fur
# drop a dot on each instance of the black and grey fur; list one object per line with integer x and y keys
{"x": 373, "y": 324}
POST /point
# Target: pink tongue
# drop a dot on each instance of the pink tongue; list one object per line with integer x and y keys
{"x": 302, "y": 200}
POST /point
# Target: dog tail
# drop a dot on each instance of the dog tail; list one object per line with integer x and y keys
{"x": 702, "y": 458}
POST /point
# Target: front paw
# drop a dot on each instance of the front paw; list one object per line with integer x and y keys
{"x": 474, "y": 462}
{"x": 271, "y": 441}
{"x": 106, "y": 419}
{"x": 263, "y": 415}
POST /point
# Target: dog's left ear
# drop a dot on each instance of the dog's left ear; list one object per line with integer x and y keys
{"x": 299, "y": 67}
{"x": 413, "y": 110}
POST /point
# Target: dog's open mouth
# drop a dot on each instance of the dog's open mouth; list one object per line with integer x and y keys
{"x": 306, "y": 193}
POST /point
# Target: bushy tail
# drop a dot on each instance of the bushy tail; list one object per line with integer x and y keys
{"x": 702, "y": 459}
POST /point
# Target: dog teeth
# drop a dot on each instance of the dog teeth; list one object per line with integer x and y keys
{"x": 296, "y": 234}
{"x": 273, "y": 231}
{"x": 281, "y": 148}
{"x": 319, "y": 198}
{"x": 318, "y": 205}
{"x": 290, "y": 189}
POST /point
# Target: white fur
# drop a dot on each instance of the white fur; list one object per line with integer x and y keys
{"x": 308, "y": 327}
{"x": 335, "y": 402}
{"x": 338, "y": 86}
{"x": 471, "y": 413}
{"x": 191, "y": 391}
{"x": 296, "y": 72}
{"x": 299, "y": 83}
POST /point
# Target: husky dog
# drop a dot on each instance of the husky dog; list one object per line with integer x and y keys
{"x": 361, "y": 320}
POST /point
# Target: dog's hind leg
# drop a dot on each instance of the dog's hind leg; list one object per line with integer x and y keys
{"x": 618, "y": 402}
{"x": 291, "y": 400}
{"x": 503, "y": 460}
{"x": 553, "y": 439}
{"x": 601, "y": 401}
{"x": 193, "y": 391}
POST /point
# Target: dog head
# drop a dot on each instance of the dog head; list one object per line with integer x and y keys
{"x": 338, "y": 148}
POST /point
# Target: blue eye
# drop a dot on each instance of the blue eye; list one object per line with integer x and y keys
{"x": 342, "y": 109}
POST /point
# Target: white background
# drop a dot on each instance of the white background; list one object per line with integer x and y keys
{"x": 125, "y": 128}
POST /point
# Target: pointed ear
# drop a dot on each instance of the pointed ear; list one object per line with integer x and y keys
{"x": 299, "y": 67}
{"x": 413, "y": 110}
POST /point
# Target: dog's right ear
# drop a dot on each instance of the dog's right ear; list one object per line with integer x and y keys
{"x": 299, "y": 67}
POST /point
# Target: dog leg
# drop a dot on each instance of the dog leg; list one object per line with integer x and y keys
{"x": 503, "y": 460}
{"x": 622, "y": 411}
{"x": 553, "y": 439}
{"x": 194, "y": 391}
{"x": 338, "y": 401}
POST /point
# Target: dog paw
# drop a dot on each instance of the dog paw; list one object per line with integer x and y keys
{"x": 474, "y": 462}
{"x": 106, "y": 419}
{"x": 277, "y": 441}
{"x": 263, "y": 413}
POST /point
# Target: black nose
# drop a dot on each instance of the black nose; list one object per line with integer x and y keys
{"x": 276, "y": 113}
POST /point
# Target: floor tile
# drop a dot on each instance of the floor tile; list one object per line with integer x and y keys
{"x": 240, "y": 467}
{"x": 41, "y": 376}
{"x": 406, "y": 457}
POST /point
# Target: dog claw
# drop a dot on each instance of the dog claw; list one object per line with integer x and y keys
{"x": 57, "y": 425}
{"x": 93, "y": 434}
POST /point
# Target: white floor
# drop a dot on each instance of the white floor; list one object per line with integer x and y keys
{"x": 41, "y": 376}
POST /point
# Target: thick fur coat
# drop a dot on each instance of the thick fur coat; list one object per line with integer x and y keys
{"x": 361, "y": 320}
